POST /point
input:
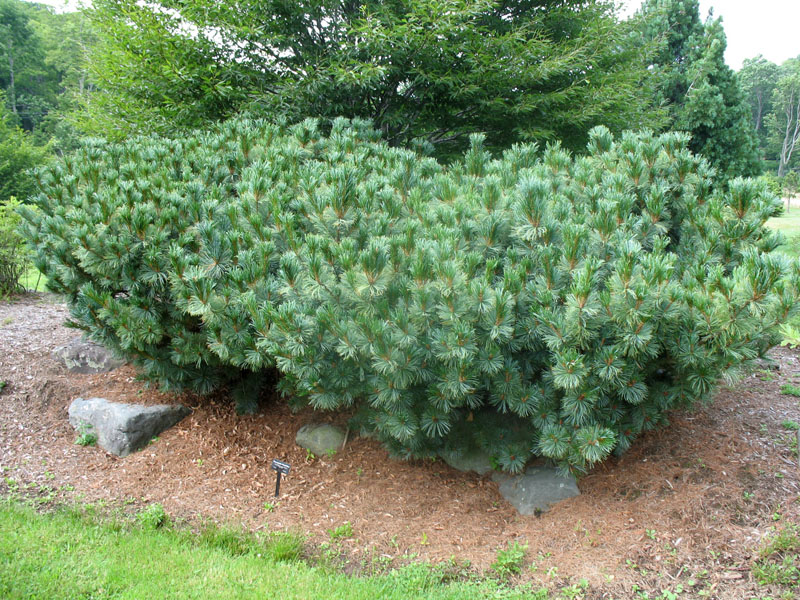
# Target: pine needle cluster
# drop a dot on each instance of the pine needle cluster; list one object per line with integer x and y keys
{"x": 536, "y": 304}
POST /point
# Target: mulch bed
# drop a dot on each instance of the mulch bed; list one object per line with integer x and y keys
{"x": 688, "y": 504}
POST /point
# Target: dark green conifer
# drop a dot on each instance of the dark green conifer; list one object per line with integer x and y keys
{"x": 535, "y": 304}
{"x": 702, "y": 93}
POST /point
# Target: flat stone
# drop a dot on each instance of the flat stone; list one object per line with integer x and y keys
{"x": 123, "y": 428}
{"x": 320, "y": 438}
{"x": 85, "y": 356}
{"x": 536, "y": 489}
{"x": 475, "y": 460}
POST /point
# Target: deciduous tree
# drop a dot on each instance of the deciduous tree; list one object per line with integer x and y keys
{"x": 758, "y": 77}
{"x": 425, "y": 70}
{"x": 18, "y": 50}
{"x": 785, "y": 118}
{"x": 18, "y": 156}
{"x": 43, "y": 67}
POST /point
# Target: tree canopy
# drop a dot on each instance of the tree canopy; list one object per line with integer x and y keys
{"x": 18, "y": 156}
{"x": 784, "y": 121}
{"x": 23, "y": 75}
{"x": 426, "y": 71}
{"x": 43, "y": 74}
{"x": 702, "y": 93}
{"x": 773, "y": 93}
{"x": 758, "y": 77}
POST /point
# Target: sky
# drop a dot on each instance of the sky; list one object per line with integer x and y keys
{"x": 768, "y": 27}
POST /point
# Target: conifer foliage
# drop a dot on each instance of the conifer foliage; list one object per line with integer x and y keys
{"x": 533, "y": 305}
{"x": 702, "y": 93}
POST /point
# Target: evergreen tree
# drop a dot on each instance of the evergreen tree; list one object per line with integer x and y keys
{"x": 702, "y": 93}
{"x": 533, "y": 305}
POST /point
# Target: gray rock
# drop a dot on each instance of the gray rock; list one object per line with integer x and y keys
{"x": 85, "y": 356}
{"x": 475, "y": 460}
{"x": 123, "y": 428}
{"x": 320, "y": 438}
{"x": 536, "y": 489}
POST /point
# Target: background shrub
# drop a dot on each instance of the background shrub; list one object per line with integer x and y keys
{"x": 534, "y": 304}
{"x": 14, "y": 254}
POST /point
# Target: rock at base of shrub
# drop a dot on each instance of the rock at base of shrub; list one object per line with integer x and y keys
{"x": 536, "y": 489}
{"x": 123, "y": 428}
{"x": 475, "y": 461}
{"x": 85, "y": 356}
{"x": 320, "y": 438}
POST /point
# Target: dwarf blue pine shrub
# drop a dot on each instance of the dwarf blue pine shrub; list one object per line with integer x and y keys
{"x": 536, "y": 304}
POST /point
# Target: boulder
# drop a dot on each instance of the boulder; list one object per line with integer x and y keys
{"x": 85, "y": 356}
{"x": 123, "y": 428}
{"x": 536, "y": 488}
{"x": 320, "y": 438}
{"x": 476, "y": 461}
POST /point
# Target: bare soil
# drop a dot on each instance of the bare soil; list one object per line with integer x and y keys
{"x": 689, "y": 505}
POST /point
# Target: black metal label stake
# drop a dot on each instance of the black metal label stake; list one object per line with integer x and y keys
{"x": 281, "y": 468}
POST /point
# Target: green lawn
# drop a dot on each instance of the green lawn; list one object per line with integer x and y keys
{"x": 66, "y": 555}
{"x": 33, "y": 280}
{"x": 789, "y": 225}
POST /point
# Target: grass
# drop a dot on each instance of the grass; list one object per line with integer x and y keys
{"x": 33, "y": 280}
{"x": 779, "y": 561}
{"x": 70, "y": 553}
{"x": 789, "y": 225}
{"x": 509, "y": 560}
{"x": 790, "y": 390}
{"x": 343, "y": 531}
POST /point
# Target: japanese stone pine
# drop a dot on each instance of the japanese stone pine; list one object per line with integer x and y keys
{"x": 536, "y": 304}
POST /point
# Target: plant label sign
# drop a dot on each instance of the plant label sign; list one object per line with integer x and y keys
{"x": 281, "y": 468}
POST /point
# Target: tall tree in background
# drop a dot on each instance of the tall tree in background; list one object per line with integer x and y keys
{"x": 43, "y": 83}
{"x": 43, "y": 69}
{"x": 424, "y": 70}
{"x": 18, "y": 156}
{"x": 785, "y": 118}
{"x": 66, "y": 40}
{"x": 21, "y": 58}
{"x": 701, "y": 92}
{"x": 758, "y": 78}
